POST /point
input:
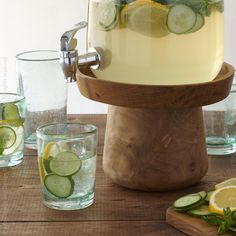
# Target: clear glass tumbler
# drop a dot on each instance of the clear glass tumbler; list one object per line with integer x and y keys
{"x": 12, "y": 112}
{"x": 220, "y": 125}
{"x": 67, "y": 164}
{"x": 42, "y": 82}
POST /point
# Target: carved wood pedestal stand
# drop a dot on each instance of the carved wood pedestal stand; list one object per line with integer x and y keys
{"x": 155, "y": 134}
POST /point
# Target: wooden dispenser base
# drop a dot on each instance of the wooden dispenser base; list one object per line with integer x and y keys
{"x": 155, "y": 134}
{"x": 155, "y": 149}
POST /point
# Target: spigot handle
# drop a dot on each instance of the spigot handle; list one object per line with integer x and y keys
{"x": 69, "y": 58}
{"x": 68, "y": 42}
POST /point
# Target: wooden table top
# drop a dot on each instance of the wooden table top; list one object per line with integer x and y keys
{"x": 116, "y": 210}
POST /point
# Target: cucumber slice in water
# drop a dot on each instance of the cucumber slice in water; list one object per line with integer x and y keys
{"x": 65, "y": 163}
{"x": 19, "y": 131}
{"x": 7, "y": 137}
{"x": 198, "y": 25}
{"x": 10, "y": 112}
{"x": 181, "y": 19}
{"x": 46, "y": 164}
{"x": 108, "y": 14}
{"x": 59, "y": 186}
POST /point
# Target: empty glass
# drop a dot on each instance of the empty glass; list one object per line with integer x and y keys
{"x": 41, "y": 81}
{"x": 220, "y": 125}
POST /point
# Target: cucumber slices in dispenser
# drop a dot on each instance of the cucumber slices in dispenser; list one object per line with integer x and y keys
{"x": 108, "y": 14}
{"x": 181, "y": 19}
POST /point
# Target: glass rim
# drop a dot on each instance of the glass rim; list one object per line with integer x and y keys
{"x": 23, "y": 56}
{"x": 18, "y": 97}
{"x": 39, "y": 130}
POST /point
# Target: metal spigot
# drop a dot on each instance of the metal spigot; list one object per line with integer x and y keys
{"x": 69, "y": 58}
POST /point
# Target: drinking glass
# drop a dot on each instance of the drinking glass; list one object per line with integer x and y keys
{"x": 12, "y": 113}
{"x": 67, "y": 164}
{"x": 42, "y": 82}
{"x": 220, "y": 125}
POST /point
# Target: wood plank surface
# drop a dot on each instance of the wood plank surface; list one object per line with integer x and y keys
{"x": 116, "y": 211}
{"x": 113, "y": 228}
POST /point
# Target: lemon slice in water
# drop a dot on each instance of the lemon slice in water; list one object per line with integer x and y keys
{"x": 146, "y": 17}
{"x": 51, "y": 149}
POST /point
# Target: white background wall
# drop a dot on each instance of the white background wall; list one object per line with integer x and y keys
{"x": 38, "y": 24}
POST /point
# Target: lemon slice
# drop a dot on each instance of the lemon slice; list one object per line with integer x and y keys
{"x": 51, "y": 149}
{"x": 225, "y": 183}
{"x": 146, "y": 17}
{"x": 41, "y": 169}
{"x": 223, "y": 198}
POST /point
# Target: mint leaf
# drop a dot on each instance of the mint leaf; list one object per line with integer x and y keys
{"x": 213, "y": 219}
{"x": 223, "y": 228}
{"x": 219, "y": 6}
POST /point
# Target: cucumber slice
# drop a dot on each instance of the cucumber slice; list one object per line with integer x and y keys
{"x": 198, "y": 25}
{"x": 46, "y": 164}
{"x": 187, "y": 201}
{"x": 203, "y": 210}
{"x": 65, "y": 163}
{"x": 10, "y": 112}
{"x": 181, "y": 18}
{"x": 59, "y": 186}
{"x": 7, "y": 137}
{"x": 203, "y": 194}
{"x": 19, "y": 142}
{"x": 108, "y": 14}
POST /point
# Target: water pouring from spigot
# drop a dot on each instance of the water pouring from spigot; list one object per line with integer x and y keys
{"x": 69, "y": 58}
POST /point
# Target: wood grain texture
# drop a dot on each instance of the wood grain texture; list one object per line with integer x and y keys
{"x": 155, "y": 150}
{"x": 190, "y": 225}
{"x": 150, "y": 96}
{"x": 118, "y": 228}
{"x": 116, "y": 211}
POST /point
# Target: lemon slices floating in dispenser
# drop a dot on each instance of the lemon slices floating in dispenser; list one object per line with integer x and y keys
{"x": 146, "y": 17}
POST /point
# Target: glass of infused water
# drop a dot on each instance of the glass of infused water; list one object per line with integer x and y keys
{"x": 157, "y": 42}
{"x": 67, "y": 164}
{"x": 12, "y": 112}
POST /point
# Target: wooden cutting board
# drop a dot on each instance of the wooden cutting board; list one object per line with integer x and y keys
{"x": 190, "y": 225}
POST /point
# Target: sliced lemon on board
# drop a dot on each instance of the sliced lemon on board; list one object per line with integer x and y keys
{"x": 146, "y": 17}
{"x": 225, "y": 183}
{"x": 223, "y": 198}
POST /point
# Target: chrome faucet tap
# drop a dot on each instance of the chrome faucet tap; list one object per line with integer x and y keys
{"x": 69, "y": 58}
